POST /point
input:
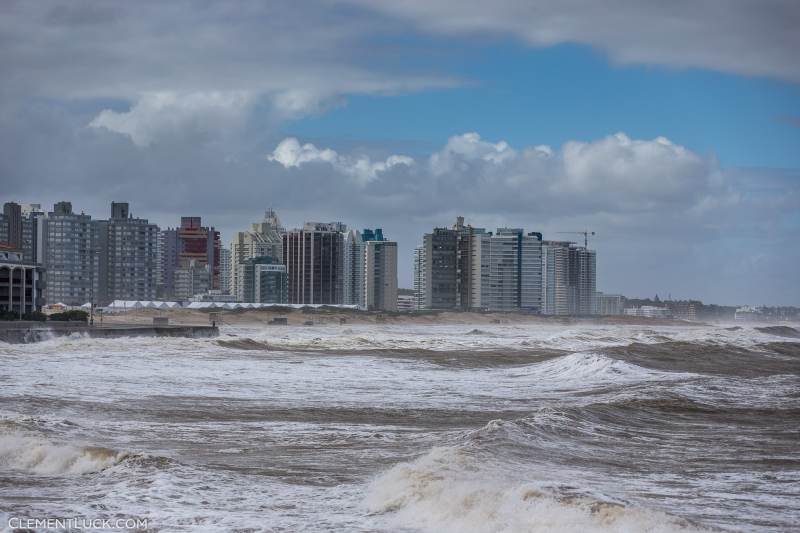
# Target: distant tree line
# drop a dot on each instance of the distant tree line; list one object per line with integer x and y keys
{"x": 713, "y": 311}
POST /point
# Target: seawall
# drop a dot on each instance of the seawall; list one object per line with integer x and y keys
{"x": 28, "y": 332}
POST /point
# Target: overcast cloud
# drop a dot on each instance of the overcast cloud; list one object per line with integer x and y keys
{"x": 178, "y": 108}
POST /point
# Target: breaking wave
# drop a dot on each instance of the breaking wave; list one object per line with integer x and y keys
{"x": 36, "y": 455}
{"x": 586, "y": 368}
{"x": 445, "y": 491}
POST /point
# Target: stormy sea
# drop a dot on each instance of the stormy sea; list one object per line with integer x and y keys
{"x": 585, "y": 428}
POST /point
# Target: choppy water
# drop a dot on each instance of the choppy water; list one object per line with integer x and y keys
{"x": 433, "y": 428}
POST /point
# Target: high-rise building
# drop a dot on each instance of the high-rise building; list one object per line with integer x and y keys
{"x": 353, "y": 265}
{"x": 582, "y": 280}
{"x": 449, "y": 267}
{"x": 469, "y": 268}
{"x": 507, "y": 271}
{"x": 264, "y": 239}
{"x": 464, "y": 262}
{"x": 314, "y": 258}
{"x": 380, "y": 272}
{"x": 130, "y": 254}
{"x": 12, "y": 213}
{"x": 225, "y": 270}
{"x": 190, "y": 245}
{"x": 555, "y": 278}
{"x": 264, "y": 280}
{"x": 419, "y": 278}
{"x": 441, "y": 269}
{"x": 69, "y": 248}
{"x": 19, "y": 229}
{"x": 370, "y": 270}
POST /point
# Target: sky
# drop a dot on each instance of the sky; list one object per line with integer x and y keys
{"x": 671, "y": 129}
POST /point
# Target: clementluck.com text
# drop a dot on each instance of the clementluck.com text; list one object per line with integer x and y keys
{"x": 78, "y": 523}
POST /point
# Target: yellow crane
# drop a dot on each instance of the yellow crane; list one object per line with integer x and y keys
{"x": 585, "y": 234}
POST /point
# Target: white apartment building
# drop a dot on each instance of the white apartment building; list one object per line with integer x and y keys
{"x": 506, "y": 271}
{"x": 419, "y": 278}
{"x": 555, "y": 278}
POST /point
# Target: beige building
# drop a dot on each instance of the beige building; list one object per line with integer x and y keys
{"x": 264, "y": 238}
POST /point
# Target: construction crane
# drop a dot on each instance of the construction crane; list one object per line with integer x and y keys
{"x": 585, "y": 234}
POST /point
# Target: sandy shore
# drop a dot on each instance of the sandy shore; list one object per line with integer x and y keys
{"x": 297, "y": 317}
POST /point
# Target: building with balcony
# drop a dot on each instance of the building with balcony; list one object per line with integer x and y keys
{"x": 19, "y": 229}
{"x": 263, "y": 239}
{"x": 507, "y": 271}
{"x": 582, "y": 281}
{"x": 190, "y": 246}
{"x": 649, "y": 311}
{"x": 555, "y": 277}
{"x": 265, "y": 281}
{"x": 609, "y": 304}
{"x": 419, "y": 278}
{"x": 129, "y": 265}
{"x": 314, "y": 258}
{"x": 21, "y": 283}
{"x": 69, "y": 245}
{"x": 380, "y": 273}
{"x": 441, "y": 269}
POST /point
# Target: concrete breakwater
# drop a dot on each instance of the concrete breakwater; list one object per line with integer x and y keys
{"x": 28, "y": 332}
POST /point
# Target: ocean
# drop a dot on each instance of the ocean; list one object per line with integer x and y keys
{"x": 516, "y": 428}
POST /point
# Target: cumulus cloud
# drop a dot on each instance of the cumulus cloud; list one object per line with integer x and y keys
{"x": 462, "y": 150}
{"x": 290, "y": 153}
{"x": 615, "y": 173}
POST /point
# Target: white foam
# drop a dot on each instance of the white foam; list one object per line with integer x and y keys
{"x": 444, "y": 491}
{"x": 582, "y": 369}
{"x": 35, "y": 455}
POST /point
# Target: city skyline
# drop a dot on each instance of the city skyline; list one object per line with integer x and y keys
{"x": 676, "y": 144}
{"x": 272, "y": 216}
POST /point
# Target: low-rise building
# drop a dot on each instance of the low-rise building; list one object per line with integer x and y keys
{"x": 406, "y": 303}
{"x": 683, "y": 310}
{"x": 21, "y": 283}
{"x": 213, "y": 296}
{"x": 609, "y": 304}
{"x": 649, "y": 311}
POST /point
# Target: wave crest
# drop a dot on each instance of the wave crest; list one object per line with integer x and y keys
{"x": 35, "y": 455}
{"x": 445, "y": 491}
